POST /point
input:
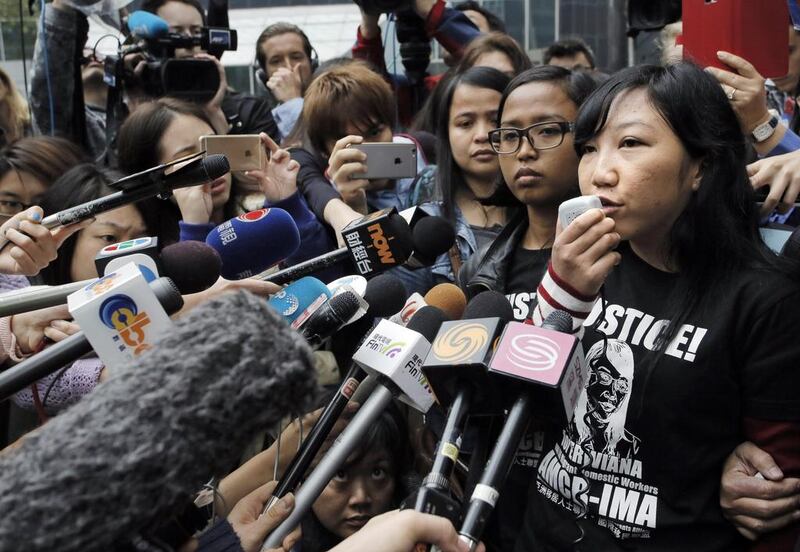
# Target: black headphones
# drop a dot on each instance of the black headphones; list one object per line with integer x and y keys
{"x": 260, "y": 62}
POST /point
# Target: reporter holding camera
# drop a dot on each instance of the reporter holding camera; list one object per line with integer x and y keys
{"x": 245, "y": 113}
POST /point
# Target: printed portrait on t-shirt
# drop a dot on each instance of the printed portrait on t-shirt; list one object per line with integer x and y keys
{"x": 602, "y": 408}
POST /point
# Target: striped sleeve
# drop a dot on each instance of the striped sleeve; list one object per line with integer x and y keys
{"x": 554, "y": 294}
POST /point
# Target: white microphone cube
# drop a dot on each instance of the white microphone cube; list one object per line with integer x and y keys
{"x": 398, "y": 353}
{"x": 120, "y": 315}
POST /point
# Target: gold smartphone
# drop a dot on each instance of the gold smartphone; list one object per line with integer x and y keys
{"x": 244, "y": 151}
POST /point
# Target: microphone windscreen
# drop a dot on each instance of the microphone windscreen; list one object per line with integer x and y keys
{"x": 147, "y": 25}
{"x": 399, "y": 228}
{"x": 199, "y": 171}
{"x": 489, "y": 304}
{"x": 559, "y": 321}
{"x": 192, "y": 265}
{"x": 138, "y": 447}
{"x": 386, "y": 295}
{"x": 254, "y": 241}
{"x": 426, "y": 321}
{"x": 344, "y": 305}
{"x": 449, "y": 298}
{"x": 294, "y": 299}
{"x": 433, "y": 236}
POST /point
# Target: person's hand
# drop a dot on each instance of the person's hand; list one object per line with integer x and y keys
{"x": 252, "y": 528}
{"x": 30, "y": 328}
{"x": 343, "y": 164}
{"x": 583, "y": 252}
{"x": 214, "y": 106}
{"x": 782, "y": 174}
{"x": 195, "y": 203}
{"x": 369, "y": 27}
{"x": 423, "y": 7}
{"x": 222, "y": 286}
{"x": 401, "y": 531}
{"x": 32, "y": 246}
{"x": 757, "y": 505}
{"x": 286, "y": 84}
{"x": 278, "y": 177}
{"x": 338, "y": 215}
{"x": 745, "y": 90}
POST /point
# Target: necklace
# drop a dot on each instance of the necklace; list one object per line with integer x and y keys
{"x": 484, "y": 210}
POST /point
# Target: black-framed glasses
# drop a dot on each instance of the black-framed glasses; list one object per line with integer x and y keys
{"x": 541, "y": 136}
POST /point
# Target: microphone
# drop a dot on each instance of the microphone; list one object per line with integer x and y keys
{"x": 461, "y": 352}
{"x": 251, "y": 243}
{"x": 449, "y": 298}
{"x": 64, "y": 352}
{"x": 374, "y": 244}
{"x": 356, "y": 284}
{"x": 120, "y": 315}
{"x": 432, "y": 237}
{"x": 137, "y": 448}
{"x": 350, "y": 384}
{"x": 395, "y": 354}
{"x": 192, "y": 266}
{"x": 297, "y": 301}
{"x": 550, "y": 358}
{"x": 147, "y": 25}
{"x": 143, "y": 185}
{"x": 329, "y": 317}
{"x": 459, "y": 358}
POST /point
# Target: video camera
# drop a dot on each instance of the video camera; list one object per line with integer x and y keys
{"x": 195, "y": 80}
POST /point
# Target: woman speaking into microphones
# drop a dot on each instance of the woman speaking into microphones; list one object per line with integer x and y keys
{"x": 689, "y": 347}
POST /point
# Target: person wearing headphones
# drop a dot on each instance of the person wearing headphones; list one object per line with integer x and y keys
{"x": 285, "y": 62}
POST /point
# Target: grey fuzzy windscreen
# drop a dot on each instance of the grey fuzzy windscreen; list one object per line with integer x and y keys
{"x": 147, "y": 439}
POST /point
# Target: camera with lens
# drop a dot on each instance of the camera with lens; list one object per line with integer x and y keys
{"x": 195, "y": 80}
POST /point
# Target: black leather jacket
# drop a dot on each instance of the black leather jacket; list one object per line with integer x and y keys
{"x": 487, "y": 269}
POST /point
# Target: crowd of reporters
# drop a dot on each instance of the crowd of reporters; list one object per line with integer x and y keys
{"x": 685, "y": 314}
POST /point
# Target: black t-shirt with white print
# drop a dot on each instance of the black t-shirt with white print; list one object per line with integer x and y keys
{"x": 646, "y": 445}
{"x": 525, "y": 270}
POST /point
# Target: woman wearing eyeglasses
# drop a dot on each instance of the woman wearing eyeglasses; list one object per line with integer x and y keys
{"x": 540, "y": 168}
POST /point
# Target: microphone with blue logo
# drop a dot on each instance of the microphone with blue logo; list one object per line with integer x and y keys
{"x": 253, "y": 242}
{"x": 147, "y": 25}
{"x": 297, "y": 301}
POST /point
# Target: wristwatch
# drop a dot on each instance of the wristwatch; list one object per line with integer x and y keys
{"x": 763, "y": 131}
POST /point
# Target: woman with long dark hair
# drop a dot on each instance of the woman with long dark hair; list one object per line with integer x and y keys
{"x": 466, "y": 173}
{"x": 690, "y": 349}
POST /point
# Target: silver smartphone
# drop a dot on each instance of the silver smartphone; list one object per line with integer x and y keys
{"x": 388, "y": 160}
